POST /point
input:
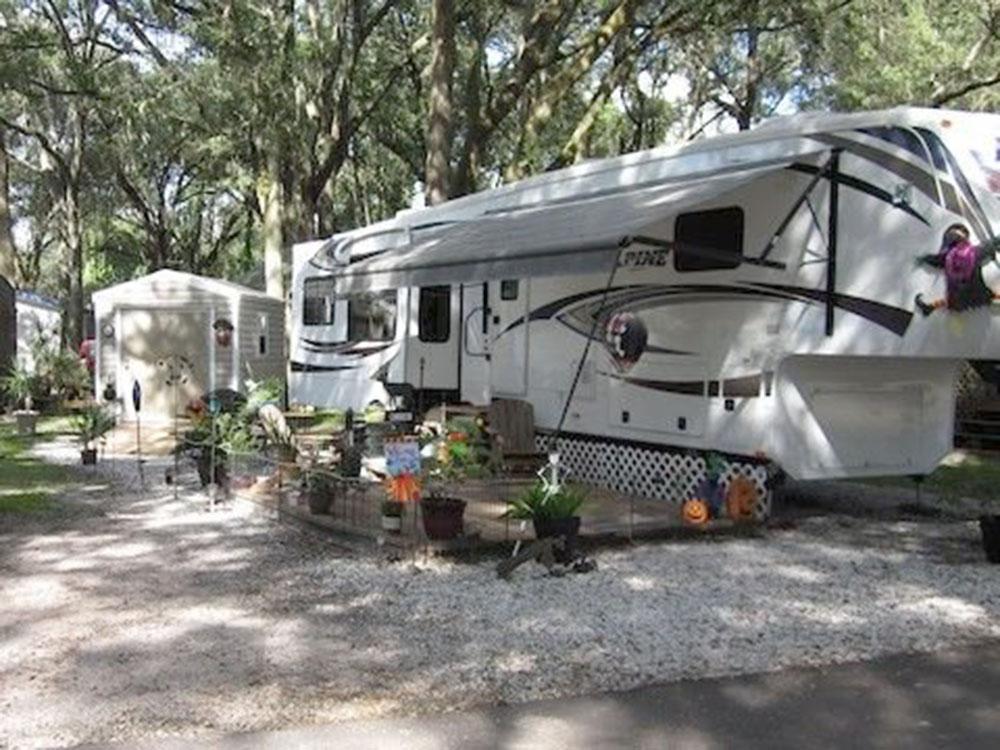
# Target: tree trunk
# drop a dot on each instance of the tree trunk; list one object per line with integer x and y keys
{"x": 73, "y": 248}
{"x": 439, "y": 131}
{"x": 751, "y": 100}
{"x": 73, "y": 234}
{"x": 8, "y": 266}
{"x": 269, "y": 194}
{"x": 468, "y": 166}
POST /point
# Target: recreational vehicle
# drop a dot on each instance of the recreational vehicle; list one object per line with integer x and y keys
{"x": 778, "y": 296}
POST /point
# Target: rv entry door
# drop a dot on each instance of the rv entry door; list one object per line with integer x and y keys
{"x": 474, "y": 346}
{"x": 509, "y": 333}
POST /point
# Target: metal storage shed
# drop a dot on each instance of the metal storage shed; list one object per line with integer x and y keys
{"x": 216, "y": 334}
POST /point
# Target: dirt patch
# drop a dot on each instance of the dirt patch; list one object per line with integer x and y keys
{"x": 146, "y": 616}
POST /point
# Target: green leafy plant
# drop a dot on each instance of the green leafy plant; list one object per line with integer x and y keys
{"x": 542, "y": 502}
{"x": 261, "y": 392}
{"x": 93, "y": 423}
{"x": 20, "y": 386}
{"x": 321, "y": 482}
{"x": 715, "y": 466}
{"x": 228, "y": 434}
{"x": 61, "y": 373}
{"x": 461, "y": 454}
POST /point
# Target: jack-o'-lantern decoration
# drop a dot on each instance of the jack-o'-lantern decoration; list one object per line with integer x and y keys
{"x": 741, "y": 499}
{"x": 223, "y": 332}
{"x": 694, "y": 512}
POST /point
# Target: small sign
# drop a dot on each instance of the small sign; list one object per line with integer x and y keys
{"x": 402, "y": 465}
{"x": 402, "y": 457}
{"x": 400, "y": 416}
{"x": 136, "y": 396}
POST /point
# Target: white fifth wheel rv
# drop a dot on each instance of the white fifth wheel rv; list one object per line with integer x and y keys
{"x": 752, "y": 294}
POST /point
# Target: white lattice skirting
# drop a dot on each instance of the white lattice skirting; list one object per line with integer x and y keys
{"x": 671, "y": 475}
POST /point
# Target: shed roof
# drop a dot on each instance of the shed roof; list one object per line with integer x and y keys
{"x": 27, "y": 297}
{"x": 146, "y": 284}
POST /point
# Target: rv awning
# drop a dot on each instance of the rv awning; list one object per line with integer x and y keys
{"x": 574, "y": 236}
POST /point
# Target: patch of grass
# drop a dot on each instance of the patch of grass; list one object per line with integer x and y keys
{"x": 976, "y": 476}
{"x": 28, "y": 485}
{"x": 26, "y": 502}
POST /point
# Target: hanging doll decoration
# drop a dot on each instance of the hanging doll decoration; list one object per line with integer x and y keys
{"x": 962, "y": 263}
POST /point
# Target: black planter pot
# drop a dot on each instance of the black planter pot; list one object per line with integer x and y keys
{"x": 566, "y": 528}
{"x": 990, "y": 526}
{"x": 88, "y": 456}
{"x": 443, "y": 517}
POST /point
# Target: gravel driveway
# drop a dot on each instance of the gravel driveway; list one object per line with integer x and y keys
{"x": 132, "y": 615}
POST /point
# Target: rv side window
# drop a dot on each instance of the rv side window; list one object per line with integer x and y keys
{"x": 317, "y": 302}
{"x": 371, "y": 316}
{"x": 709, "y": 240}
{"x": 434, "y": 323}
{"x": 509, "y": 289}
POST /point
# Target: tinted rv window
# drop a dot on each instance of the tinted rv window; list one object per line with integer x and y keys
{"x": 936, "y": 149}
{"x": 509, "y": 289}
{"x": 709, "y": 240}
{"x": 371, "y": 316}
{"x": 899, "y": 137}
{"x": 317, "y": 302}
{"x": 435, "y": 314}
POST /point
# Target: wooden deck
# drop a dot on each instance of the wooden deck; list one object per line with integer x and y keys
{"x": 355, "y": 518}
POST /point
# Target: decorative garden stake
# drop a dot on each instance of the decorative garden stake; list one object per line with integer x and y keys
{"x": 177, "y": 370}
{"x": 214, "y": 406}
{"x": 137, "y": 405}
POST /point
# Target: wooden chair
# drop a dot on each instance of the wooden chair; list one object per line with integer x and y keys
{"x": 512, "y": 425}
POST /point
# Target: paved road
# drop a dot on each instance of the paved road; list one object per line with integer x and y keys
{"x": 948, "y": 699}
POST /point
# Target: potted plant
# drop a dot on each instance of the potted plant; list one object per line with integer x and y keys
{"x": 392, "y": 515}
{"x": 443, "y": 515}
{"x": 19, "y": 385}
{"x": 321, "y": 489}
{"x": 458, "y": 459}
{"x": 92, "y": 423}
{"x": 213, "y": 441}
{"x": 553, "y": 511}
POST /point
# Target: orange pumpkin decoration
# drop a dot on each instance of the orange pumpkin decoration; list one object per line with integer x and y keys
{"x": 694, "y": 512}
{"x": 741, "y": 499}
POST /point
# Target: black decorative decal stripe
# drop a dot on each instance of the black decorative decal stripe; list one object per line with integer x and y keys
{"x": 683, "y": 387}
{"x": 640, "y": 297}
{"x": 747, "y": 386}
{"x": 347, "y": 349}
{"x": 894, "y": 319}
{"x": 307, "y": 367}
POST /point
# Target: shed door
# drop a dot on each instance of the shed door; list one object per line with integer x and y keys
{"x": 149, "y": 338}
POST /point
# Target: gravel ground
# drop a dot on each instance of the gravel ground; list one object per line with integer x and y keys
{"x": 134, "y": 615}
